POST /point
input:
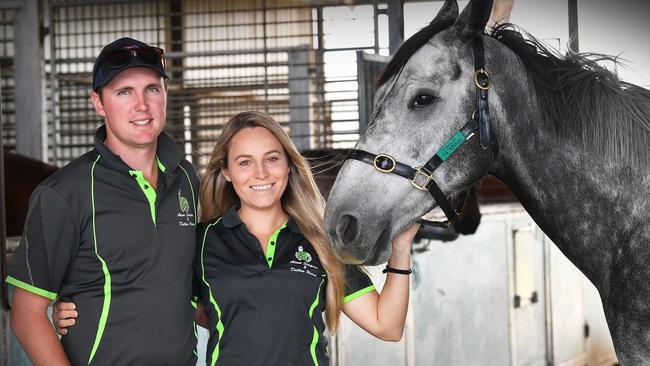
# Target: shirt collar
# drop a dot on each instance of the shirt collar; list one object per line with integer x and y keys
{"x": 167, "y": 151}
{"x": 231, "y": 219}
{"x": 293, "y": 226}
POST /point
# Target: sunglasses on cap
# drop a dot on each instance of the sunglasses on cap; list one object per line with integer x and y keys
{"x": 116, "y": 59}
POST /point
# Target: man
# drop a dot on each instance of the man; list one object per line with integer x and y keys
{"x": 113, "y": 232}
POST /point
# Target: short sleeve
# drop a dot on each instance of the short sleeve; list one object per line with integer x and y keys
{"x": 49, "y": 243}
{"x": 357, "y": 283}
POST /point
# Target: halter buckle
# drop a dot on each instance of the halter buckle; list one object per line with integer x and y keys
{"x": 482, "y": 79}
{"x": 425, "y": 174}
{"x": 384, "y": 163}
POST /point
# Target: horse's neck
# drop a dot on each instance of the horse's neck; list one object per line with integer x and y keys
{"x": 587, "y": 205}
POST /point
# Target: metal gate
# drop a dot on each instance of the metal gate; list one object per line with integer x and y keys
{"x": 295, "y": 61}
{"x": 7, "y": 15}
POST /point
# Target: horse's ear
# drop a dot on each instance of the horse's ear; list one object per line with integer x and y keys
{"x": 448, "y": 13}
{"x": 473, "y": 19}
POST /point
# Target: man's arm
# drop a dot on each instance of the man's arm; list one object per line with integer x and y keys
{"x": 32, "y": 327}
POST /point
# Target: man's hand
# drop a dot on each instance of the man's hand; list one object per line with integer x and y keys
{"x": 64, "y": 315}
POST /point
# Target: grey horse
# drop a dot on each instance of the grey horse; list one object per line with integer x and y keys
{"x": 568, "y": 137}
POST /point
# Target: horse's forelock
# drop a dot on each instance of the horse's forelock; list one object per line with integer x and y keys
{"x": 414, "y": 43}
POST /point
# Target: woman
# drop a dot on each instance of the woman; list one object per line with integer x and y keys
{"x": 264, "y": 264}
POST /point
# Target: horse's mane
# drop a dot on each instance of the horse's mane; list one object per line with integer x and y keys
{"x": 583, "y": 101}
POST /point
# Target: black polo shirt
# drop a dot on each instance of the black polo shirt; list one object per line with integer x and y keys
{"x": 265, "y": 310}
{"x": 97, "y": 234}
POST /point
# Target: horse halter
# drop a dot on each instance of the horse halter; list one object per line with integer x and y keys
{"x": 422, "y": 177}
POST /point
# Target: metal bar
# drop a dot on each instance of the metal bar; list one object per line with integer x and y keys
{"x": 3, "y": 221}
{"x": 266, "y": 55}
{"x": 299, "y": 102}
{"x": 4, "y": 293}
{"x": 281, "y": 7}
{"x": 375, "y": 21}
{"x": 28, "y": 92}
{"x": 395, "y": 24}
{"x": 548, "y": 305}
{"x": 53, "y": 87}
{"x": 320, "y": 65}
{"x": 211, "y": 26}
{"x": 573, "y": 26}
{"x": 252, "y": 51}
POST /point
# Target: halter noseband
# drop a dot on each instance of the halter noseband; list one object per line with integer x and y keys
{"x": 422, "y": 177}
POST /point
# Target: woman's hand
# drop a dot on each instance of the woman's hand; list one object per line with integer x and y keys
{"x": 63, "y": 316}
{"x": 384, "y": 315}
{"x": 402, "y": 242}
{"x": 405, "y": 238}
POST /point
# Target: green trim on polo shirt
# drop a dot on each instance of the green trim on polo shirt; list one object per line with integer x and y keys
{"x": 161, "y": 166}
{"x": 314, "y": 339}
{"x": 107, "y": 275}
{"x": 148, "y": 191}
{"x": 271, "y": 244}
{"x": 194, "y": 327}
{"x": 27, "y": 287}
{"x": 217, "y": 309}
{"x": 359, "y": 293}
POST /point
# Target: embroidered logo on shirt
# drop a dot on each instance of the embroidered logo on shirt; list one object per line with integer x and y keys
{"x": 301, "y": 255}
{"x": 302, "y": 265}
{"x": 186, "y": 218}
{"x": 183, "y": 203}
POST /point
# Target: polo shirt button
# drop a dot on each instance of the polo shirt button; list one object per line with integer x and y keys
{"x": 272, "y": 243}
{"x": 134, "y": 175}
{"x": 269, "y": 259}
{"x": 145, "y": 186}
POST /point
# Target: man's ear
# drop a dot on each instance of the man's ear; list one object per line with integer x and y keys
{"x": 97, "y": 103}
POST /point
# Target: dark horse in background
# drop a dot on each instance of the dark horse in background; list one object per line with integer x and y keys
{"x": 569, "y": 138}
{"x": 22, "y": 175}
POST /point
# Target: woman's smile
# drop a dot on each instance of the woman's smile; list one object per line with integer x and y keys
{"x": 262, "y": 187}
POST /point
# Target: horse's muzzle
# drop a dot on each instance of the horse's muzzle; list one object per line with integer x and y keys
{"x": 352, "y": 247}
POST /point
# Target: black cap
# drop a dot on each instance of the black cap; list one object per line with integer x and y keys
{"x": 104, "y": 72}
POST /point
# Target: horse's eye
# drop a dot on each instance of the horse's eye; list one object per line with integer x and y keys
{"x": 422, "y": 100}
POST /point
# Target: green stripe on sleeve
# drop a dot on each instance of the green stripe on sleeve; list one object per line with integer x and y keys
{"x": 359, "y": 293}
{"x": 27, "y": 287}
{"x": 107, "y": 275}
{"x": 215, "y": 351}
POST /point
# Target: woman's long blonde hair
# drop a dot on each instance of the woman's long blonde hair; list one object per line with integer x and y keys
{"x": 301, "y": 200}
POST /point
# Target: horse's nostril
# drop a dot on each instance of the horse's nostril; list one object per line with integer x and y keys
{"x": 348, "y": 228}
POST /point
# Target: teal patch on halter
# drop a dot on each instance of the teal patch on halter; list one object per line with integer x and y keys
{"x": 454, "y": 142}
